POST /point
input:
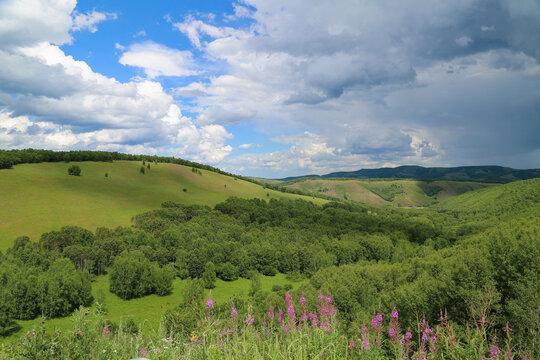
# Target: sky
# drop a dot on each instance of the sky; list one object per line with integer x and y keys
{"x": 276, "y": 88}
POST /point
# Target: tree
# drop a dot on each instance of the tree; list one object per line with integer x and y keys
{"x": 74, "y": 170}
{"x": 209, "y": 275}
{"x": 141, "y": 170}
{"x": 229, "y": 272}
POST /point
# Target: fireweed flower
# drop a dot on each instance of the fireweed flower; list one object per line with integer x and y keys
{"x": 408, "y": 335}
{"x": 143, "y": 352}
{"x": 302, "y": 300}
{"x": 106, "y": 330}
{"x": 280, "y": 316}
{"x": 495, "y": 352}
{"x": 234, "y": 313}
{"x": 250, "y": 320}
{"x": 391, "y": 332}
{"x": 325, "y": 311}
{"x": 351, "y": 345}
{"x": 271, "y": 313}
{"x": 328, "y": 299}
{"x": 209, "y": 304}
{"x": 320, "y": 297}
{"x": 288, "y": 298}
{"x": 291, "y": 313}
{"x": 394, "y": 313}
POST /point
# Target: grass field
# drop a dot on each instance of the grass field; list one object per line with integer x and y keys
{"x": 42, "y": 197}
{"x": 410, "y": 193}
{"x": 149, "y": 310}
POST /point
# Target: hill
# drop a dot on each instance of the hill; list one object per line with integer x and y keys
{"x": 464, "y": 173}
{"x": 41, "y": 197}
{"x": 509, "y": 199}
{"x": 410, "y": 193}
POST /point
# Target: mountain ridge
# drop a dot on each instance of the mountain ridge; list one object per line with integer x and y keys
{"x": 485, "y": 173}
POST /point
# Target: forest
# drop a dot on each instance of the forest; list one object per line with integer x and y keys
{"x": 475, "y": 261}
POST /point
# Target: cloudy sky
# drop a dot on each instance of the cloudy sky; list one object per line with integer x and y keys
{"x": 276, "y": 87}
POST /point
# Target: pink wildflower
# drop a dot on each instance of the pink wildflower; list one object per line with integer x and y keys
{"x": 302, "y": 300}
{"x": 351, "y": 345}
{"x": 143, "y": 352}
{"x": 365, "y": 344}
{"x": 271, "y": 313}
{"x": 391, "y": 332}
{"x": 288, "y": 297}
{"x": 234, "y": 313}
{"x": 495, "y": 352}
{"x": 280, "y": 316}
{"x": 250, "y": 320}
{"x": 328, "y": 299}
{"x": 209, "y": 304}
{"x": 106, "y": 330}
{"x": 408, "y": 335}
{"x": 320, "y": 297}
{"x": 395, "y": 313}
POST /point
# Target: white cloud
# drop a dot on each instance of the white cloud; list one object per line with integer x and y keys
{"x": 370, "y": 84}
{"x": 224, "y": 116}
{"x": 27, "y": 22}
{"x": 463, "y": 41}
{"x": 50, "y": 100}
{"x": 90, "y": 20}
{"x": 159, "y": 60}
{"x": 245, "y": 146}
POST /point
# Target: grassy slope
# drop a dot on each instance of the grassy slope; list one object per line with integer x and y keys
{"x": 149, "y": 310}
{"x": 505, "y": 198}
{"x": 37, "y": 198}
{"x": 397, "y": 192}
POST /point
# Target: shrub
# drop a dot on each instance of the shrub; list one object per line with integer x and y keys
{"x": 74, "y": 170}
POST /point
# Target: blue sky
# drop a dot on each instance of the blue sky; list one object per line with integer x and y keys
{"x": 276, "y": 88}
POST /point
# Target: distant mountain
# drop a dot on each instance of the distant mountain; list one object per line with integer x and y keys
{"x": 468, "y": 173}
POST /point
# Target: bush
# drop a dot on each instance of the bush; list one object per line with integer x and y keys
{"x": 74, "y": 170}
{"x": 229, "y": 272}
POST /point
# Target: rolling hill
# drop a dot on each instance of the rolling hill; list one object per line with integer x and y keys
{"x": 410, "y": 193}
{"x": 41, "y": 197}
{"x": 464, "y": 173}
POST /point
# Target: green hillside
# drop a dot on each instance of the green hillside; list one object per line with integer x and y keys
{"x": 497, "y": 200}
{"x": 409, "y": 193}
{"x": 41, "y": 197}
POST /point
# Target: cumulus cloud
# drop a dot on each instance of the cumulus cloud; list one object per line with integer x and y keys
{"x": 419, "y": 84}
{"x": 159, "y": 60}
{"x": 90, "y": 20}
{"x": 50, "y": 100}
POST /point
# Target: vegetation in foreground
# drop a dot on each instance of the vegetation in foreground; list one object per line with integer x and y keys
{"x": 302, "y": 329}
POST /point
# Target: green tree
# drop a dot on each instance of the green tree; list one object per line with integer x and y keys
{"x": 141, "y": 170}
{"x": 74, "y": 170}
{"x": 209, "y": 275}
{"x": 229, "y": 272}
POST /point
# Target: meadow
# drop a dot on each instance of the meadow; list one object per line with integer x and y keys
{"x": 43, "y": 197}
{"x": 402, "y": 192}
{"x": 147, "y": 312}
